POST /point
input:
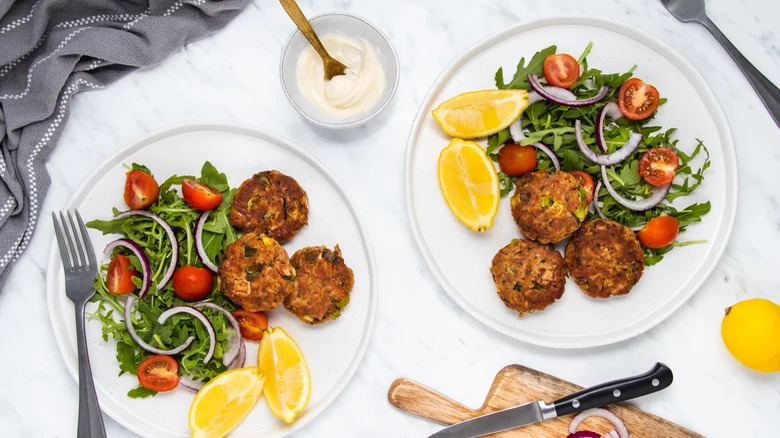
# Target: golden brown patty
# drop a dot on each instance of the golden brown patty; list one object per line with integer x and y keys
{"x": 323, "y": 285}
{"x": 605, "y": 258}
{"x": 256, "y": 273}
{"x": 548, "y": 206}
{"x": 528, "y": 275}
{"x": 271, "y": 203}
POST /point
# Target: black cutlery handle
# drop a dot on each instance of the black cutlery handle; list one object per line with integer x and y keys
{"x": 658, "y": 378}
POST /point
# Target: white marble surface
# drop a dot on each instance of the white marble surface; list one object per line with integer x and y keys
{"x": 420, "y": 332}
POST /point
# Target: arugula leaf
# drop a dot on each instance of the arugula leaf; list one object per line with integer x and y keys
{"x": 495, "y": 141}
{"x": 210, "y": 176}
{"x": 141, "y": 392}
{"x": 520, "y": 79}
{"x": 142, "y": 168}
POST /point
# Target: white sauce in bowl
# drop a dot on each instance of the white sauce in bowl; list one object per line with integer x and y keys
{"x": 347, "y": 95}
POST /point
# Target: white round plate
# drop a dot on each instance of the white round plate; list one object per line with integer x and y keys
{"x": 460, "y": 258}
{"x": 333, "y": 350}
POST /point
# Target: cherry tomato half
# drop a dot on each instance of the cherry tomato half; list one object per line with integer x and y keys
{"x": 659, "y": 232}
{"x": 141, "y": 190}
{"x": 515, "y": 160}
{"x": 586, "y": 181}
{"x": 561, "y": 70}
{"x": 658, "y": 166}
{"x": 159, "y": 373}
{"x": 200, "y": 196}
{"x": 637, "y": 100}
{"x": 252, "y": 324}
{"x": 119, "y": 278}
{"x": 191, "y": 283}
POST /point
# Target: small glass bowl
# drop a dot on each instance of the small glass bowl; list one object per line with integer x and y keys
{"x": 351, "y": 26}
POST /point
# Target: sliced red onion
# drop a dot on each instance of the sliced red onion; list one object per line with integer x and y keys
{"x": 146, "y": 281}
{"x": 542, "y": 147}
{"x": 171, "y": 237}
{"x": 613, "y": 111}
{"x": 559, "y": 92}
{"x": 618, "y": 156}
{"x": 557, "y": 96}
{"x": 130, "y": 329}
{"x": 240, "y": 359}
{"x": 620, "y": 428}
{"x": 234, "y": 340}
{"x": 584, "y": 434}
{"x": 659, "y": 193}
{"x": 199, "y": 242}
{"x": 516, "y": 131}
{"x": 596, "y": 203}
{"x": 194, "y": 384}
{"x": 201, "y": 317}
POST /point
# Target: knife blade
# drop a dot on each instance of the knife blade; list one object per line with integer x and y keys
{"x": 656, "y": 379}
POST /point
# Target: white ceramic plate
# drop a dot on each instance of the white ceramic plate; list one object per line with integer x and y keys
{"x": 333, "y": 350}
{"x": 460, "y": 259}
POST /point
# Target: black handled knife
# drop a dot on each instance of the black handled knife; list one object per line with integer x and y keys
{"x": 658, "y": 378}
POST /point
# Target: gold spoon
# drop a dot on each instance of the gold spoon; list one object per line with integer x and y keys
{"x": 332, "y": 66}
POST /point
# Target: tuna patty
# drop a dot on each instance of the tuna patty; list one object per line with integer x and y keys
{"x": 323, "y": 284}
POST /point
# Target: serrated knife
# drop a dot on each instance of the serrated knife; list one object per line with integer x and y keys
{"x": 656, "y": 379}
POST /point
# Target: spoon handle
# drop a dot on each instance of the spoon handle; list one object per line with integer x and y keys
{"x": 767, "y": 91}
{"x": 292, "y": 9}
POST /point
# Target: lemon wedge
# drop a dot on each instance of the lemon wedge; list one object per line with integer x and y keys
{"x": 224, "y": 402}
{"x": 469, "y": 183}
{"x": 480, "y": 113}
{"x": 288, "y": 384}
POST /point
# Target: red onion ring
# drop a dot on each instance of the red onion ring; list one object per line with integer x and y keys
{"x": 659, "y": 193}
{"x": 171, "y": 237}
{"x": 596, "y": 203}
{"x": 130, "y": 329}
{"x": 199, "y": 242}
{"x": 138, "y": 252}
{"x": 240, "y": 359}
{"x": 613, "y": 111}
{"x": 555, "y": 96}
{"x": 191, "y": 383}
{"x": 201, "y": 317}
{"x": 234, "y": 340}
{"x": 616, "y": 157}
{"x": 584, "y": 434}
{"x": 620, "y": 428}
{"x": 516, "y": 131}
{"x": 542, "y": 147}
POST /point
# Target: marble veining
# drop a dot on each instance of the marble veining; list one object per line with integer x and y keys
{"x": 421, "y": 333}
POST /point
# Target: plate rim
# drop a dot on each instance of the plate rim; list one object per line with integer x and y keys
{"x": 719, "y": 116}
{"x": 169, "y": 130}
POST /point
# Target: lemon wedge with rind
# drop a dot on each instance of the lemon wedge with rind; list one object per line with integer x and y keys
{"x": 469, "y": 183}
{"x": 224, "y": 402}
{"x": 288, "y": 383}
{"x": 480, "y": 113}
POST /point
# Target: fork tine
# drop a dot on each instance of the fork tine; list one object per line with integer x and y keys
{"x": 91, "y": 260}
{"x": 69, "y": 239}
{"x": 61, "y": 242}
{"x": 78, "y": 240}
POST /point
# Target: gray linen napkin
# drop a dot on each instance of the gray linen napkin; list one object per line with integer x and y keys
{"x": 53, "y": 49}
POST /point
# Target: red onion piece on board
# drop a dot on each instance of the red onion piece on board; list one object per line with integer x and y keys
{"x": 146, "y": 269}
{"x": 620, "y": 428}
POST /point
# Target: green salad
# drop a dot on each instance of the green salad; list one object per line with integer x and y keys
{"x": 153, "y": 239}
{"x": 554, "y": 125}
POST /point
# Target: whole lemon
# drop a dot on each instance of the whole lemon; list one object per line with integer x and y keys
{"x": 751, "y": 332}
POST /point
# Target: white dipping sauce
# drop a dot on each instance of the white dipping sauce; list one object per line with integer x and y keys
{"x": 347, "y": 95}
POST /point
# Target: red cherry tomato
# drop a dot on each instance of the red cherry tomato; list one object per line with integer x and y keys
{"x": 586, "y": 181}
{"x": 561, "y": 70}
{"x": 141, "y": 190}
{"x": 252, "y": 324}
{"x": 191, "y": 283}
{"x": 119, "y": 278}
{"x": 658, "y": 166}
{"x": 159, "y": 373}
{"x": 200, "y": 196}
{"x": 659, "y": 232}
{"x": 515, "y": 160}
{"x": 637, "y": 100}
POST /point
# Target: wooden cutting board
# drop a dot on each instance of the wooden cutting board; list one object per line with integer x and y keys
{"x": 515, "y": 385}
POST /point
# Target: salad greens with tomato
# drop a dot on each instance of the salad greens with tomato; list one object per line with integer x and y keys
{"x": 146, "y": 250}
{"x": 657, "y": 164}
